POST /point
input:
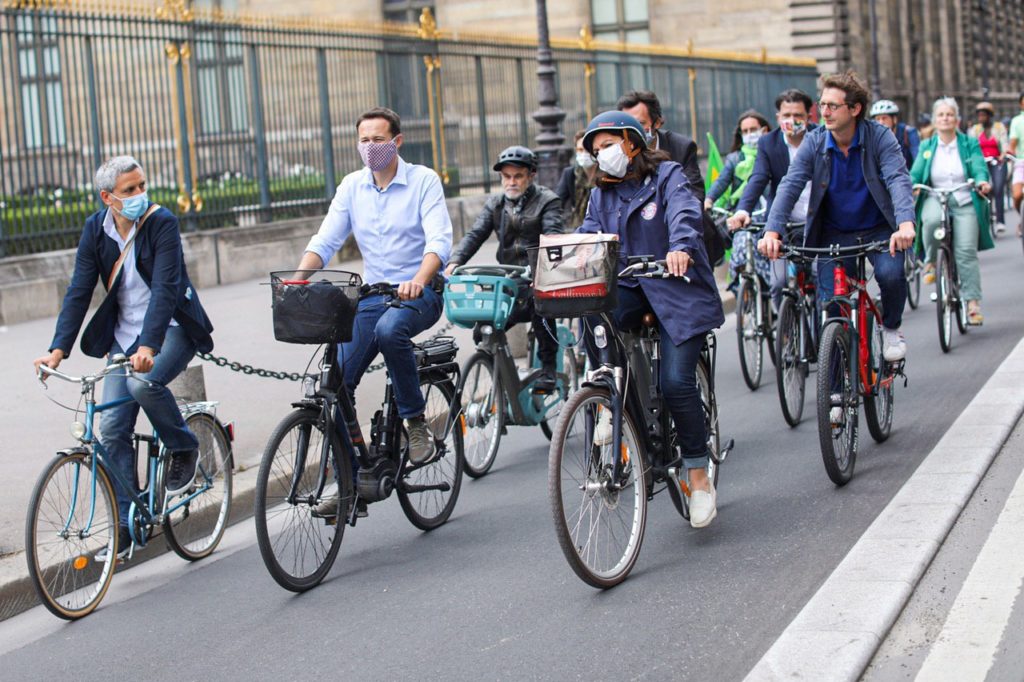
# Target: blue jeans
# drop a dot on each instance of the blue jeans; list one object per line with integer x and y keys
{"x": 888, "y": 272}
{"x": 677, "y": 378}
{"x": 118, "y": 424}
{"x": 379, "y": 328}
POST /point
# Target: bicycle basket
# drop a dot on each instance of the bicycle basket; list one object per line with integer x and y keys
{"x": 576, "y": 274}
{"x": 320, "y": 309}
{"x": 469, "y": 299}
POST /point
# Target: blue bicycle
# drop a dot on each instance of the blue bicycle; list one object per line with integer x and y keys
{"x": 493, "y": 392}
{"x": 71, "y": 530}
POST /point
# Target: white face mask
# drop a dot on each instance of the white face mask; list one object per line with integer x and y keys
{"x": 584, "y": 160}
{"x": 613, "y": 161}
{"x": 751, "y": 138}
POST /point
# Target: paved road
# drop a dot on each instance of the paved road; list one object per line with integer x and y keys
{"x": 489, "y": 595}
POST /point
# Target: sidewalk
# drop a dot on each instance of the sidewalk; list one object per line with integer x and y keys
{"x": 34, "y": 428}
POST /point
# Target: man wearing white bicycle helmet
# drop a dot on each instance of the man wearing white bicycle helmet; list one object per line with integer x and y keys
{"x": 887, "y": 112}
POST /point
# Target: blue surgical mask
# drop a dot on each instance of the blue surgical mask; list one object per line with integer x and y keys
{"x": 134, "y": 206}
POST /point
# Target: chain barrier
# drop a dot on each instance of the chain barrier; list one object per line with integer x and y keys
{"x": 291, "y": 376}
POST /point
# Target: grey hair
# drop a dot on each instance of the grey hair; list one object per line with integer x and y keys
{"x": 946, "y": 102}
{"x": 112, "y": 169}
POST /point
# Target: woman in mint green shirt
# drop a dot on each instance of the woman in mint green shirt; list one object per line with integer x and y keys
{"x": 947, "y": 159}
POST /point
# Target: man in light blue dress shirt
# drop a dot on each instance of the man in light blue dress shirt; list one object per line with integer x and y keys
{"x": 396, "y": 211}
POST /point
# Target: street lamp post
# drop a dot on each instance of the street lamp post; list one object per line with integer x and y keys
{"x": 552, "y": 153}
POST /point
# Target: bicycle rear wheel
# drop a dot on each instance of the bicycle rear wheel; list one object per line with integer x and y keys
{"x": 878, "y": 405}
{"x": 912, "y": 271}
{"x": 944, "y": 300}
{"x": 837, "y": 388}
{"x": 483, "y": 413}
{"x": 428, "y": 492}
{"x": 64, "y": 532}
{"x": 599, "y": 522}
{"x": 297, "y": 547}
{"x": 194, "y": 530}
{"x": 790, "y": 369}
{"x": 748, "y": 335}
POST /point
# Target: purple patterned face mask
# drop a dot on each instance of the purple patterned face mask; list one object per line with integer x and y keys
{"x": 378, "y": 155}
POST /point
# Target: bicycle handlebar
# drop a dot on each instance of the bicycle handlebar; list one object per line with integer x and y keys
{"x": 648, "y": 268}
{"x": 945, "y": 192}
{"x": 119, "y": 361}
{"x": 499, "y": 270}
{"x": 757, "y": 227}
{"x": 835, "y": 250}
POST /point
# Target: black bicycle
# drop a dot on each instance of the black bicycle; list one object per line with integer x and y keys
{"x": 755, "y": 319}
{"x": 615, "y": 446}
{"x": 796, "y": 335}
{"x": 307, "y": 490}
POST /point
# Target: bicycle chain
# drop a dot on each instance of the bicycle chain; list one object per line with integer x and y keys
{"x": 221, "y": 361}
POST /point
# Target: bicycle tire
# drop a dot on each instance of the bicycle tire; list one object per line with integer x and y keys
{"x": 790, "y": 368}
{"x": 483, "y": 413}
{"x": 194, "y": 531}
{"x": 747, "y": 335}
{"x": 768, "y": 329}
{"x": 878, "y": 408}
{"x": 838, "y": 444}
{"x": 271, "y": 501}
{"x": 960, "y": 307}
{"x": 585, "y": 405}
{"x": 570, "y": 384}
{"x": 432, "y": 508}
{"x": 51, "y": 563}
{"x": 944, "y": 300}
{"x": 912, "y": 271}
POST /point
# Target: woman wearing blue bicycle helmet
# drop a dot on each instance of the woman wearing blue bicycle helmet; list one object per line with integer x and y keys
{"x": 645, "y": 199}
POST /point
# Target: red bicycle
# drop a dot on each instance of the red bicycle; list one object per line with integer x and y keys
{"x": 850, "y": 362}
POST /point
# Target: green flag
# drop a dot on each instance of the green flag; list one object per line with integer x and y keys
{"x": 714, "y": 164}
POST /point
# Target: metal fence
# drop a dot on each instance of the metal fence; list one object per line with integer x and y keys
{"x": 242, "y": 119}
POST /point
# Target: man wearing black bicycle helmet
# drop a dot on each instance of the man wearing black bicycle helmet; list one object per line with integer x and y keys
{"x": 518, "y": 216}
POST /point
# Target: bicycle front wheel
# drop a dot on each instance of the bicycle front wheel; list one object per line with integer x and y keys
{"x": 428, "y": 492}
{"x": 837, "y": 390}
{"x": 599, "y": 521}
{"x": 71, "y": 518}
{"x": 748, "y": 335}
{"x": 790, "y": 368}
{"x": 944, "y": 306}
{"x": 195, "y": 529}
{"x": 299, "y": 543}
{"x": 483, "y": 413}
{"x": 878, "y": 402}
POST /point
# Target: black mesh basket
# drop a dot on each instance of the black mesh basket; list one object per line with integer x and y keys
{"x": 319, "y": 308}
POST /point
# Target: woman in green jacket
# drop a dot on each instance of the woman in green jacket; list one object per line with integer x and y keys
{"x": 947, "y": 159}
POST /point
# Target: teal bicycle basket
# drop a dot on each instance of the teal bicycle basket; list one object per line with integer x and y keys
{"x": 469, "y": 299}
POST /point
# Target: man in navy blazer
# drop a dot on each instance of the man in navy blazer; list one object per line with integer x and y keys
{"x": 151, "y": 314}
{"x": 774, "y": 153}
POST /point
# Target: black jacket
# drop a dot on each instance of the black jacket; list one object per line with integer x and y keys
{"x": 518, "y": 225}
{"x": 683, "y": 151}
{"x": 161, "y": 265}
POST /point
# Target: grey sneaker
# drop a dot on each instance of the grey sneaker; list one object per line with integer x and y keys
{"x": 328, "y": 509}
{"x": 421, "y": 442}
{"x": 182, "y": 471}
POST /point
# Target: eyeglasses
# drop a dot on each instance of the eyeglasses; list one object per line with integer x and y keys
{"x": 831, "y": 106}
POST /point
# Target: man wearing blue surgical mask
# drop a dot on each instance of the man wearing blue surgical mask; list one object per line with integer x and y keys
{"x": 151, "y": 314}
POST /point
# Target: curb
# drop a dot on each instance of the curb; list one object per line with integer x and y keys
{"x": 836, "y": 634}
{"x": 17, "y": 594}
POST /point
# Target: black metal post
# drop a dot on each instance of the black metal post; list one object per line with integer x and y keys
{"x": 259, "y": 133}
{"x": 980, "y": 35}
{"x": 325, "y": 124}
{"x": 551, "y": 150}
{"x": 876, "y": 85}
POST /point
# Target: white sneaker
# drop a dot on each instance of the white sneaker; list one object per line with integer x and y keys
{"x": 894, "y": 346}
{"x": 1000, "y": 228}
{"x": 603, "y": 428}
{"x": 835, "y": 415}
{"x": 702, "y": 506}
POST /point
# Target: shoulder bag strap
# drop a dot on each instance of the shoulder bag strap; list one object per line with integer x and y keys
{"x": 128, "y": 245}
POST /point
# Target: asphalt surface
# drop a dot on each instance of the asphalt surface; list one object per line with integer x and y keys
{"x": 489, "y": 595}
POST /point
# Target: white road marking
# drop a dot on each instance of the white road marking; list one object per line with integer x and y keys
{"x": 966, "y": 648}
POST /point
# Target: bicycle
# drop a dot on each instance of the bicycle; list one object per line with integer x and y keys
{"x": 796, "y": 335}
{"x": 308, "y": 461}
{"x": 599, "y": 488}
{"x": 913, "y": 270}
{"x": 73, "y": 513}
{"x": 493, "y": 392}
{"x": 851, "y": 367}
{"x": 948, "y": 302}
{"x": 755, "y": 318}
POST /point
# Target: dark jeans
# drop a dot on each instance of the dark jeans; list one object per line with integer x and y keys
{"x": 677, "y": 378}
{"x": 888, "y": 272}
{"x": 379, "y": 328}
{"x": 161, "y": 408}
{"x": 544, "y": 329}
